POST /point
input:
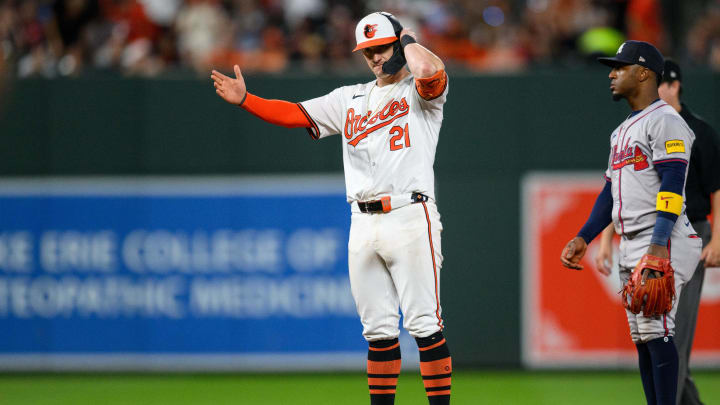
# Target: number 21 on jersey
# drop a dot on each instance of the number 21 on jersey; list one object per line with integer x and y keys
{"x": 395, "y": 143}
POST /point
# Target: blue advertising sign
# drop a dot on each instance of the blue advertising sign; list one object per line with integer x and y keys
{"x": 167, "y": 273}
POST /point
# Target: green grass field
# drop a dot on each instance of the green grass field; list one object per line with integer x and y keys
{"x": 469, "y": 387}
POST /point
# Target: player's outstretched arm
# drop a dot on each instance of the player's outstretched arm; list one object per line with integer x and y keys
{"x": 231, "y": 90}
{"x": 278, "y": 112}
{"x": 573, "y": 252}
{"x": 421, "y": 61}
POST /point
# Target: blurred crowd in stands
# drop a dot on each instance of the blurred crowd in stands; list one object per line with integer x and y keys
{"x": 50, "y": 38}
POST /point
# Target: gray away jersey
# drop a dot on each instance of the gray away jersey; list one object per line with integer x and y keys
{"x": 656, "y": 134}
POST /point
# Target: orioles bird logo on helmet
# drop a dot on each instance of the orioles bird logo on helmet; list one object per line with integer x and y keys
{"x": 370, "y": 30}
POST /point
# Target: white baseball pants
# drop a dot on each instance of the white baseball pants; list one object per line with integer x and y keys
{"x": 395, "y": 260}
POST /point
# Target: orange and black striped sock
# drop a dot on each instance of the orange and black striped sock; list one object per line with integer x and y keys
{"x": 383, "y": 369}
{"x": 436, "y": 368}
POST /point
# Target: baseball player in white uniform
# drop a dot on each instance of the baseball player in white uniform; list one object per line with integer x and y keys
{"x": 644, "y": 199}
{"x": 389, "y": 128}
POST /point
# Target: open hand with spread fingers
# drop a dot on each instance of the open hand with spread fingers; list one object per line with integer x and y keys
{"x": 231, "y": 90}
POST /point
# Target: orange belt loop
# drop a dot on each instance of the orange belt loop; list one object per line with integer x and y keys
{"x": 386, "y": 207}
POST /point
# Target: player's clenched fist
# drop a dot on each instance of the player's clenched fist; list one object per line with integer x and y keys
{"x": 231, "y": 90}
{"x": 573, "y": 252}
{"x": 711, "y": 252}
{"x": 410, "y": 32}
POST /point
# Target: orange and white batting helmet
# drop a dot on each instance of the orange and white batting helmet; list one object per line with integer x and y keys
{"x": 378, "y": 28}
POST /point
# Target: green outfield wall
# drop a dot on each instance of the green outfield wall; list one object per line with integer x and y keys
{"x": 496, "y": 129}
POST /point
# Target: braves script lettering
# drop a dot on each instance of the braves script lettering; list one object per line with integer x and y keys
{"x": 629, "y": 156}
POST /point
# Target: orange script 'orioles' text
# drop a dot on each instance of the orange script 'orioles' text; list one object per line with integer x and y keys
{"x": 363, "y": 125}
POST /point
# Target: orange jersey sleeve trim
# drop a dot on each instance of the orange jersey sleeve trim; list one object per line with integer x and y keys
{"x": 432, "y": 87}
{"x": 278, "y": 112}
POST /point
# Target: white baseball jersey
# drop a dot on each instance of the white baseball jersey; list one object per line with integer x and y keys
{"x": 389, "y": 138}
{"x": 391, "y": 151}
{"x": 656, "y": 134}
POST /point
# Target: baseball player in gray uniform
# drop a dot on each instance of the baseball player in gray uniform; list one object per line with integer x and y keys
{"x": 703, "y": 182}
{"x": 644, "y": 198}
{"x": 389, "y": 128}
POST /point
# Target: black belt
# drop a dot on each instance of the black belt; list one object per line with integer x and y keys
{"x": 383, "y": 204}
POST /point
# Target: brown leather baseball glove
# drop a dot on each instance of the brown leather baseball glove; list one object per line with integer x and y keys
{"x": 651, "y": 288}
